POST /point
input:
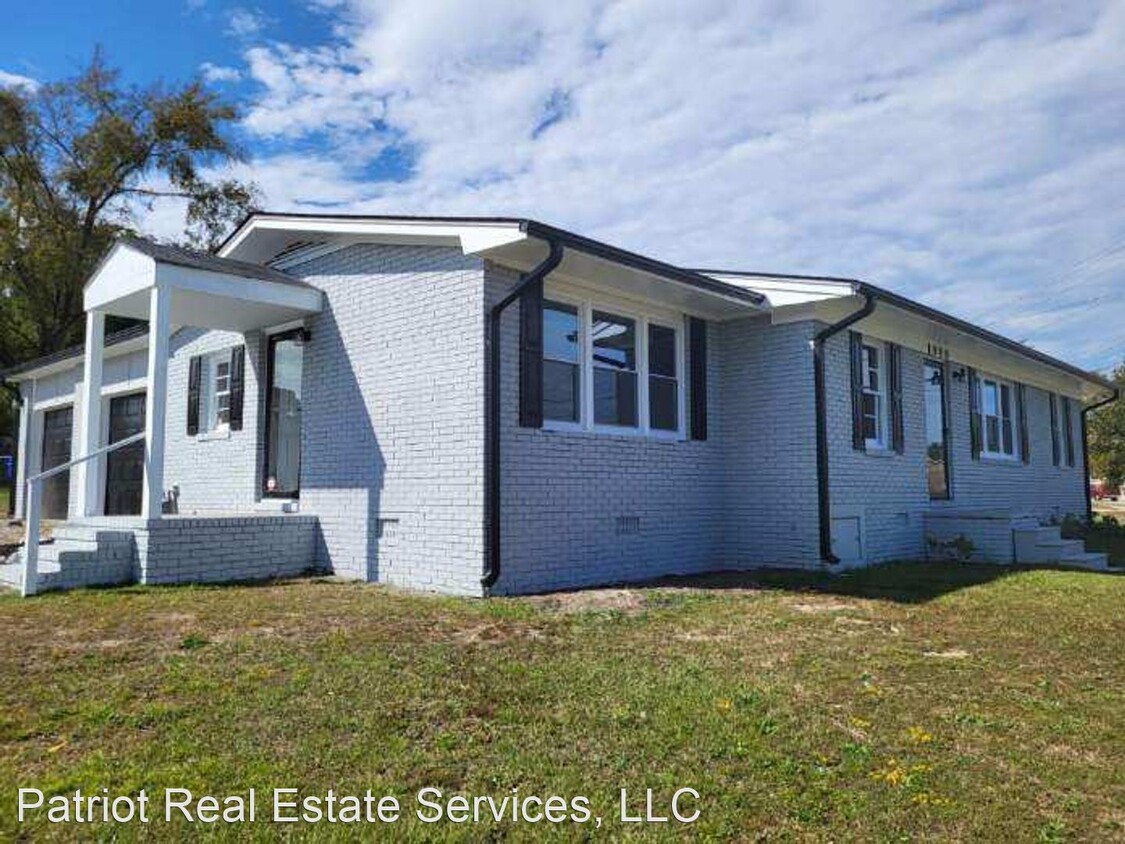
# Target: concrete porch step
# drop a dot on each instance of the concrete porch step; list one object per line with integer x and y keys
{"x": 77, "y": 554}
{"x": 1044, "y": 544}
{"x": 1092, "y": 560}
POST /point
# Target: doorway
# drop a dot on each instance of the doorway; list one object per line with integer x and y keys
{"x": 58, "y": 427}
{"x": 937, "y": 430}
{"x": 125, "y": 468}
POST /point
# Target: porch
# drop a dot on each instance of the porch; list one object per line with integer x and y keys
{"x": 129, "y": 531}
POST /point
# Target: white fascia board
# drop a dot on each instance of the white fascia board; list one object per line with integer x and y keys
{"x": 788, "y": 291}
{"x": 123, "y": 272}
{"x": 471, "y": 237}
{"x": 938, "y": 339}
{"x": 224, "y": 286}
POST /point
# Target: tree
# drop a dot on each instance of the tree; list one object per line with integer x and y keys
{"x": 78, "y": 160}
{"x": 1106, "y": 434}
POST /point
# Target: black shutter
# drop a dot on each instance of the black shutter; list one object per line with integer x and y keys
{"x": 1021, "y": 413}
{"x": 974, "y": 414}
{"x": 531, "y": 356}
{"x": 855, "y": 340}
{"x": 894, "y": 371}
{"x": 697, "y": 353}
{"x": 195, "y": 375}
{"x": 237, "y": 386}
{"x": 1056, "y": 450}
{"x": 1068, "y": 431}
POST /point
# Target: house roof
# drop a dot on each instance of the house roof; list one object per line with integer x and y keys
{"x": 880, "y": 293}
{"x": 167, "y": 254}
{"x": 532, "y": 228}
{"x": 113, "y": 339}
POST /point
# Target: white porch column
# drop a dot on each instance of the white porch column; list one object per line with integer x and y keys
{"x": 156, "y": 402}
{"x": 23, "y": 447}
{"x": 90, "y": 425}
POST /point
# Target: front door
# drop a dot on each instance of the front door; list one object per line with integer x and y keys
{"x": 57, "y": 431}
{"x": 937, "y": 448}
{"x": 125, "y": 468}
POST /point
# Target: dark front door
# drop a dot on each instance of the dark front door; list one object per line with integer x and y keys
{"x": 57, "y": 429}
{"x": 937, "y": 428}
{"x": 125, "y": 468}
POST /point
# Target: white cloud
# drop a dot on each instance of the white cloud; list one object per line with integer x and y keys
{"x": 965, "y": 155}
{"x": 243, "y": 23}
{"x": 219, "y": 73}
{"x": 15, "y": 80}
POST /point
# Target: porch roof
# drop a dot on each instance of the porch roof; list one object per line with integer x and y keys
{"x": 206, "y": 291}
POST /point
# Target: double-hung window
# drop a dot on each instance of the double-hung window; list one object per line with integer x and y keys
{"x": 874, "y": 394}
{"x": 217, "y": 380}
{"x": 997, "y": 402}
{"x": 663, "y": 384}
{"x": 614, "y": 342}
{"x": 562, "y": 362}
{"x": 607, "y": 368}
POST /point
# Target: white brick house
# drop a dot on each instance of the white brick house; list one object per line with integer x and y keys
{"x": 322, "y": 394}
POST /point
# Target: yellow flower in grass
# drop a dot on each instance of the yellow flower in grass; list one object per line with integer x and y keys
{"x": 724, "y": 704}
{"x": 919, "y": 736}
{"x": 859, "y": 723}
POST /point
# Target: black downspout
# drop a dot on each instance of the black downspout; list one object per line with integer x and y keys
{"x": 821, "y": 405}
{"x": 1086, "y": 453}
{"x": 492, "y": 477}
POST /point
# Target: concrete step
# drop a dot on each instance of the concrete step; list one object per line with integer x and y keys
{"x": 1092, "y": 560}
{"x": 11, "y": 576}
{"x": 77, "y": 555}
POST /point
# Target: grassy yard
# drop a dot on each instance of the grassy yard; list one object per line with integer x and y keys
{"x": 924, "y": 702}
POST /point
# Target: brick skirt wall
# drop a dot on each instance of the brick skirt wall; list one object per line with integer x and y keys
{"x": 216, "y": 549}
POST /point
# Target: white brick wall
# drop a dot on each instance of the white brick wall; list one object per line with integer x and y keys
{"x": 216, "y": 549}
{"x": 890, "y": 490}
{"x": 215, "y": 472}
{"x": 766, "y": 427}
{"x": 393, "y": 424}
{"x": 562, "y": 493}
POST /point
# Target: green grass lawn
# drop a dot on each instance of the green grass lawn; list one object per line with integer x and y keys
{"x": 907, "y": 702}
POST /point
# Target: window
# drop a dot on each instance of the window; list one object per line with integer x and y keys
{"x": 874, "y": 395}
{"x": 611, "y": 369}
{"x": 996, "y": 414}
{"x": 562, "y": 371}
{"x": 1068, "y": 431}
{"x": 1056, "y": 434}
{"x": 217, "y": 375}
{"x": 614, "y": 341}
{"x": 285, "y": 365}
{"x": 663, "y": 387}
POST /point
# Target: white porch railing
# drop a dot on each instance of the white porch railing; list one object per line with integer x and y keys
{"x": 34, "y": 501}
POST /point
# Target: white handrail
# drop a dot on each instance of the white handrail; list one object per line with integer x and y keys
{"x": 34, "y": 494}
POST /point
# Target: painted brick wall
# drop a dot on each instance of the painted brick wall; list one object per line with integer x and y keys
{"x": 889, "y": 491}
{"x": 215, "y": 471}
{"x": 767, "y": 431}
{"x": 562, "y": 493}
{"x": 210, "y": 550}
{"x": 393, "y": 416}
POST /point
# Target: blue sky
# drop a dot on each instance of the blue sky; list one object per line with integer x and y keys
{"x": 969, "y": 155}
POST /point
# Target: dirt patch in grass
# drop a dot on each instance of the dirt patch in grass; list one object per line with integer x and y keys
{"x": 628, "y": 601}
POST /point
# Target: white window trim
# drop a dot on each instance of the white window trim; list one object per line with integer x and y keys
{"x": 882, "y": 415}
{"x": 587, "y": 302}
{"x": 1000, "y": 383}
{"x": 211, "y": 427}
